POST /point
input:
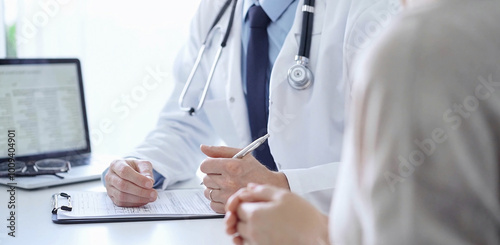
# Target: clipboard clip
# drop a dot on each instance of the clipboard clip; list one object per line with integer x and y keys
{"x": 55, "y": 198}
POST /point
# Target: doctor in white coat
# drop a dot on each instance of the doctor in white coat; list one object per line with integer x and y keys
{"x": 421, "y": 160}
{"x": 306, "y": 126}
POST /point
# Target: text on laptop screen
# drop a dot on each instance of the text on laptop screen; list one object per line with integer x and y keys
{"x": 41, "y": 102}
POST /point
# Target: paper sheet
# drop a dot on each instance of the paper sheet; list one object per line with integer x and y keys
{"x": 171, "y": 203}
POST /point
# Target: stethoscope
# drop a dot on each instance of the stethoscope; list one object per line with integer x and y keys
{"x": 300, "y": 77}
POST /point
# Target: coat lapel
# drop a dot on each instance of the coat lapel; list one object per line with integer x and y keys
{"x": 235, "y": 97}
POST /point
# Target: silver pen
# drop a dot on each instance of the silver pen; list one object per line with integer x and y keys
{"x": 254, "y": 145}
{"x": 249, "y": 148}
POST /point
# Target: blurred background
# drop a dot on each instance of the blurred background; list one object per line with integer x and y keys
{"x": 121, "y": 44}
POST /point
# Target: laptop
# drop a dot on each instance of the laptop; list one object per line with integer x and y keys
{"x": 42, "y": 110}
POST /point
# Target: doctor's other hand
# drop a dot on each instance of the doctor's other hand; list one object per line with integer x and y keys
{"x": 261, "y": 214}
{"x": 129, "y": 182}
{"x": 225, "y": 175}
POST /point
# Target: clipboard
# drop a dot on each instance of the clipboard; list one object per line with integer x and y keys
{"x": 96, "y": 207}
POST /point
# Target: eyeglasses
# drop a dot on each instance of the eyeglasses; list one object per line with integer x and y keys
{"x": 33, "y": 168}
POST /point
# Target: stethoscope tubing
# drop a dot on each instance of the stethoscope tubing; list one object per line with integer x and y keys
{"x": 203, "y": 47}
{"x": 307, "y": 26}
{"x": 302, "y": 57}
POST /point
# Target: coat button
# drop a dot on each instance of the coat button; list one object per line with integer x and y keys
{"x": 231, "y": 99}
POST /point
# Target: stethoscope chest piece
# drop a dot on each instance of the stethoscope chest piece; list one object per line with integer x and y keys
{"x": 300, "y": 77}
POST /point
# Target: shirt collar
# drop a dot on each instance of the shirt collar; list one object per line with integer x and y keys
{"x": 273, "y": 8}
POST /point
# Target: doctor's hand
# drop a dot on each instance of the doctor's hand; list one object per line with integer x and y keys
{"x": 225, "y": 175}
{"x": 267, "y": 215}
{"x": 129, "y": 182}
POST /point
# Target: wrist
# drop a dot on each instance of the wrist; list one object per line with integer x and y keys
{"x": 281, "y": 180}
{"x": 324, "y": 232}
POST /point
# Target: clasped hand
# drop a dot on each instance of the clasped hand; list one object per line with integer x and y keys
{"x": 266, "y": 215}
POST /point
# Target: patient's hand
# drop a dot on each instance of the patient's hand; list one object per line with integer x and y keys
{"x": 129, "y": 182}
{"x": 268, "y": 215}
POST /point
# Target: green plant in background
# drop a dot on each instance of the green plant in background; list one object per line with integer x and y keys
{"x": 11, "y": 41}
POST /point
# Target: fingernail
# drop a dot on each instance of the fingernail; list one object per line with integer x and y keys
{"x": 153, "y": 196}
{"x": 149, "y": 184}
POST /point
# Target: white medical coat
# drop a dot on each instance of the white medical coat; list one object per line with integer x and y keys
{"x": 306, "y": 127}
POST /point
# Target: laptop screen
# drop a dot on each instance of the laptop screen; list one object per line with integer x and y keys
{"x": 42, "y": 100}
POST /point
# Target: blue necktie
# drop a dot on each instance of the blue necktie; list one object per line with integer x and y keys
{"x": 258, "y": 81}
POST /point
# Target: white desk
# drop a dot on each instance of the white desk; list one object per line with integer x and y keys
{"x": 34, "y": 224}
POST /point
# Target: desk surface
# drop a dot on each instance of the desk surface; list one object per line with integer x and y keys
{"x": 34, "y": 224}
